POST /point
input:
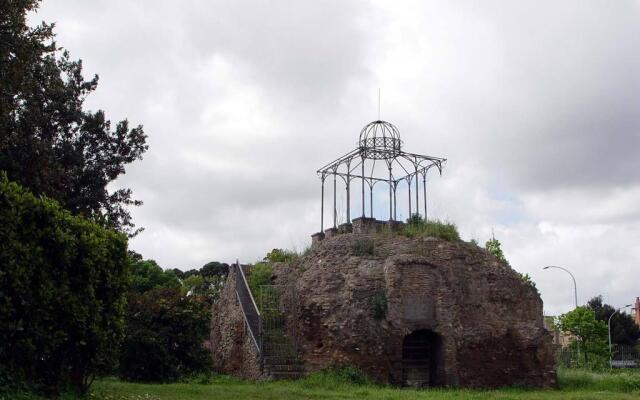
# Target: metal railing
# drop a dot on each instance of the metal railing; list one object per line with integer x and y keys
{"x": 249, "y": 308}
{"x": 278, "y": 320}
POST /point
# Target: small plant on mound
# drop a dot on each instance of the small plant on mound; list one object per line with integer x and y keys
{"x": 363, "y": 247}
{"x": 378, "y": 305}
{"x": 417, "y": 226}
{"x": 280, "y": 255}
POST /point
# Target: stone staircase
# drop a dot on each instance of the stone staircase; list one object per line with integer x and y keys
{"x": 275, "y": 340}
{"x": 280, "y": 359}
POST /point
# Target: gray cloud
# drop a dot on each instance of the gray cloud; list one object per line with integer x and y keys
{"x": 534, "y": 104}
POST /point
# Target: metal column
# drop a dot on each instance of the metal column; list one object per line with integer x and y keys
{"x": 322, "y": 207}
{"x": 424, "y": 188}
{"x": 335, "y": 213}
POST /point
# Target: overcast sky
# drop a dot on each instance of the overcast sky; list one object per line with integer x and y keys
{"x": 534, "y": 104}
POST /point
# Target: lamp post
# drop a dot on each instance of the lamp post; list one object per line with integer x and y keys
{"x": 575, "y": 294}
{"x": 575, "y": 288}
{"x": 609, "y": 325}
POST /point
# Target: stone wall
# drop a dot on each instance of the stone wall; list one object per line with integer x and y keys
{"x": 233, "y": 349}
{"x": 488, "y": 321}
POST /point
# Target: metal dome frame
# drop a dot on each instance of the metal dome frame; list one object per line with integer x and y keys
{"x": 379, "y": 142}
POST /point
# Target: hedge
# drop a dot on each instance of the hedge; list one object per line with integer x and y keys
{"x": 62, "y": 286}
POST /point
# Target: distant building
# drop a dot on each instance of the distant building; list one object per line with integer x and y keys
{"x": 561, "y": 339}
{"x": 636, "y": 314}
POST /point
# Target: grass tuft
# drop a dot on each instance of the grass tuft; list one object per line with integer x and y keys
{"x": 416, "y": 226}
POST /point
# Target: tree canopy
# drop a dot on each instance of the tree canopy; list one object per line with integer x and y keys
{"x": 623, "y": 328}
{"x": 48, "y": 142}
{"x": 587, "y": 330}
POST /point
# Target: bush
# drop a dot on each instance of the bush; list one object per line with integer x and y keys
{"x": 279, "y": 255}
{"x": 259, "y": 275}
{"x": 62, "y": 286}
{"x": 362, "y": 247}
{"x": 417, "y": 226}
{"x": 165, "y": 332}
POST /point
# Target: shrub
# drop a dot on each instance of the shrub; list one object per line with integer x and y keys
{"x": 527, "y": 279}
{"x": 165, "y": 332}
{"x": 259, "y": 275}
{"x": 378, "y": 305}
{"x": 279, "y": 255}
{"x": 363, "y": 247}
{"x": 417, "y": 226}
{"x": 62, "y": 286}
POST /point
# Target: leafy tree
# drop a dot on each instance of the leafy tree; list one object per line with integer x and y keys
{"x": 48, "y": 142}
{"x": 214, "y": 268}
{"x": 62, "y": 286}
{"x": 623, "y": 328}
{"x": 147, "y": 275}
{"x": 165, "y": 333}
{"x": 587, "y": 330}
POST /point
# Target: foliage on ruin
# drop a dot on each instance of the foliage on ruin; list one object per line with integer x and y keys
{"x": 280, "y": 255}
{"x": 416, "y": 226}
{"x": 259, "y": 275}
{"x": 378, "y": 305}
{"x": 493, "y": 246}
{"x": 363, "y": 247}
{"x": 62, "y": 285}
{"x": 49, "y": 143}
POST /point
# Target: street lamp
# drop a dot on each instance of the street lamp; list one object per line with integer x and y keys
{"x": 575, "y": 294}
{"x": 575, "y": 288}
{"x": 609, "y": 324}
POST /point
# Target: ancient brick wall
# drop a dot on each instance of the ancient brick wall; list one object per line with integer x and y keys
{"x": 485, "y": 323}
{"x": 488, "y": 321}
{"x": 233, "y": 349}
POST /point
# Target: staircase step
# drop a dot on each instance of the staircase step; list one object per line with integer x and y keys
{"x": 284, "y": 368}
{"x": 287, "y": 375}
{"x": 281, "y": 360}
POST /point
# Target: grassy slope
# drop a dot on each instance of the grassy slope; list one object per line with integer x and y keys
{"x": 574, "y": 385}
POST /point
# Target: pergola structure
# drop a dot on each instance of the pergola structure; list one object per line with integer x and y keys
{"x": 379, "y": 158}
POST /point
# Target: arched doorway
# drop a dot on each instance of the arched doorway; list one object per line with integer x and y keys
{"x": 420, "y": 355}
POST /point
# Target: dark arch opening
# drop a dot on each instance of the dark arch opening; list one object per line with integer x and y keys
{"x": 420, "y": 359}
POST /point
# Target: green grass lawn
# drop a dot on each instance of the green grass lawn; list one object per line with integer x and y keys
{"x": 573, "y": 385}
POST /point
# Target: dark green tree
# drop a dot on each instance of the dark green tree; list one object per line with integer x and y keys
{"x": 623, "y": 328}
{"x": 147, "y": 275}
{"x": 48, "y": 142}
{"x": 165, "y": 334}
{"x": 62, "y": 286}
{"x": 214, "y": 268}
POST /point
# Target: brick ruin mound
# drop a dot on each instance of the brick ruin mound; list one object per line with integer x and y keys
{"x": 406, "y": 311}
